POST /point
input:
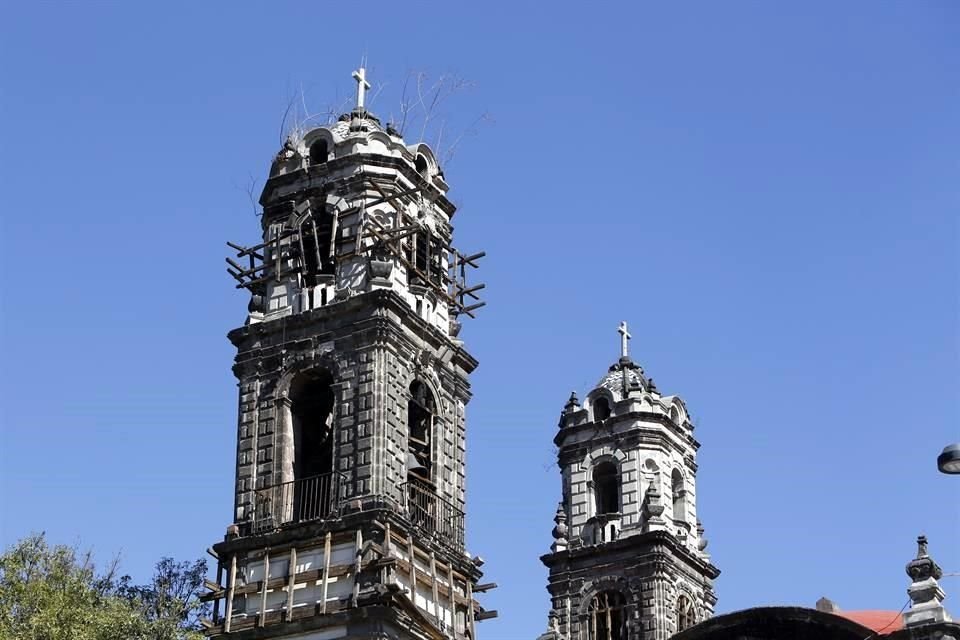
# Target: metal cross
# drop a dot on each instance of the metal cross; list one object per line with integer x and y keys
{"x": 360, "y": 75}
{"x": 624, "y": 336}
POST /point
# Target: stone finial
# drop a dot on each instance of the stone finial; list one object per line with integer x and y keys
{"x": 553, "y": 628}
{"x": 651, "y": 387}
{"x": 573, "y": 404}
{"x": 926, "y": 596}
{"x": 702, "y": 541}
{"x": 827, "y": 605}
{"x": 559, "y": 530}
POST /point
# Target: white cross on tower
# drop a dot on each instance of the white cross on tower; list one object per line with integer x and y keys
{"x": 624, "y": 336}
{"x": 360, "y": 75}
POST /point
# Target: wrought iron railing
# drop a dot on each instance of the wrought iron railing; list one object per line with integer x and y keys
{"x": 314, "y": 498}
{"x": 433, "y": 514}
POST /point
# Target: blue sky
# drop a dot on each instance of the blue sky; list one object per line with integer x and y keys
{"x": 766, "y": 192}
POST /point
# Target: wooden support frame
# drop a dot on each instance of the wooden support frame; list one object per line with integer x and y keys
{"x": 356, "y": 564}
{"x": 231, "y": 585}
{"x": 262, "y": 617}
{"x": 326, "y": 571}
{"x": 412, "y": 552}
{"x": 436, "y": 595}
{"x": 291, "y": 581}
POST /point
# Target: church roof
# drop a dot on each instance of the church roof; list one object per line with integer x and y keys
{"x": 877, "y": 620}
{"x": 624, "y": 376}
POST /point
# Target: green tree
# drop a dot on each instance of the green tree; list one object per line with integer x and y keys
{"x": 55, "y": 593}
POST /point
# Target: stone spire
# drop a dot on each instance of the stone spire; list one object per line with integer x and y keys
{"x": 926, "y": 596}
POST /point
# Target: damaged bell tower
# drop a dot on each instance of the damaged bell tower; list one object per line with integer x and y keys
{"x": 349, "y": 509}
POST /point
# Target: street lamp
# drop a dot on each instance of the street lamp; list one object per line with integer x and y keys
{"x": 949, "y": 460}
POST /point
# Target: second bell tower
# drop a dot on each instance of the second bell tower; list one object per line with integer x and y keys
{"x": 629, "y": 560}
{"x": 349, "y": 515}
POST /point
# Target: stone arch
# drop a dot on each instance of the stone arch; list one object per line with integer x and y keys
{"x": 424, "y": 424}
{"x": 678, "y": 411}
{"x": 429, "y": 159}
{"x": 285, "y": 428}
{"x": 602, "y": 506}
{"x": 600, "y": 393}
{"x": 304, "y": 361}
{"x": 317, "y": 135}
{"x": 605, "y": 583}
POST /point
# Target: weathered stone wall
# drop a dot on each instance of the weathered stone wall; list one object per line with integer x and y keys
{"x": 373, "y": 354}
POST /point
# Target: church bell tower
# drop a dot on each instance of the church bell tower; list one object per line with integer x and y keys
{"x": 629, "y": 560}
{"x": 349, "y": 513}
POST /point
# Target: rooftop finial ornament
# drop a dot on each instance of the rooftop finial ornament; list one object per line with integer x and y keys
{"x": 360, "y": 75}
{"x": 624, "y": 337}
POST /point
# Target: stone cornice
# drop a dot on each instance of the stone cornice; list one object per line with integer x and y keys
{"x": 648, "y": 542}
{"x": 309, "y": 174}
{"x": 364, "y": 306}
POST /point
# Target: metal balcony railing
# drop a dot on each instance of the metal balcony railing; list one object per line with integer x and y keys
{"x": 432, "y": 514}
{"x": 313, "y": 498}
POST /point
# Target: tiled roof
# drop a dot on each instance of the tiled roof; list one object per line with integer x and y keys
{"x": 876, "y": 620}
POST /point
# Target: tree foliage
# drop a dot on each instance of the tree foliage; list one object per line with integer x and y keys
{"x": 56, "y": 593}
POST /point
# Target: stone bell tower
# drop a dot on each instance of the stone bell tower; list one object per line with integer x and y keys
{"x": 349, "y": 516}
{"x": 629, "y": 560}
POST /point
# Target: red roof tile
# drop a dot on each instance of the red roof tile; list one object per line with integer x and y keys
{"x": 874, "y": 619}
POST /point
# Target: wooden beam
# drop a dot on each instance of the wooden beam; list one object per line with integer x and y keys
{"x": 413, "y": 569}
{"x": 470, "y": 610}
{"x": 232, "y": 580}
{"x": 433, "y": 580}
{"x": 291, "y": 580}
{"x": 263, "y": 592}
{"x": 453, "y": 599}
{"x": 326, "y": 572}
{"x": 358, "y": 552}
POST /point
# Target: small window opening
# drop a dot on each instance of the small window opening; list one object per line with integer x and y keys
{"x": 319, "y": 151}
{"x": 420, "y": 412}
{"x": 311, "y": 408}
{"x": 316, "y": 245}
{"x": 601, "y": 409}
{"x": 685, "y": 617}
{"x": 679, "y": 496}
{"x": 607, "y": 619}
{"x": 606, "y": 488}
{"x": 421, "y": 165}
{"x": 425, "y": 252}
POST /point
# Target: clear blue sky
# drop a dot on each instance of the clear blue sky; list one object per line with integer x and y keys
{"x": 767, "y": 192}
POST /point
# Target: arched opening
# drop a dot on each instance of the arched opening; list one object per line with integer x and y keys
{"x": 420, "y": 412}
{"x": 606, "y": 488}
{"x": 311, "y": 409}
{"x": 601, "y": 409}
{"x": 685, "y": 617}
{"x": 319, "y": 152}
{"x": 316, "y": 244}
{"x": 679, "y": 495}
{"x": 607, "y": 616}
{"x": 421, "y": 166}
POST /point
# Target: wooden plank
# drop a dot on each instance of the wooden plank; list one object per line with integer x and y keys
{"x": 356, "y": 565}
{"x": 335, "y": 571}
{"x": 470, "y": 610}
{"x": 453, "y": 599}
{"x": 263, "y": 592}
{"x": 291, "y": 580}
{"x": 436, "y": 596}
{"x": 413, "y": 570}
{"x": 326, "y": 571}
{"x": 232, "y": 581}
{"x": 216, "y": 601}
